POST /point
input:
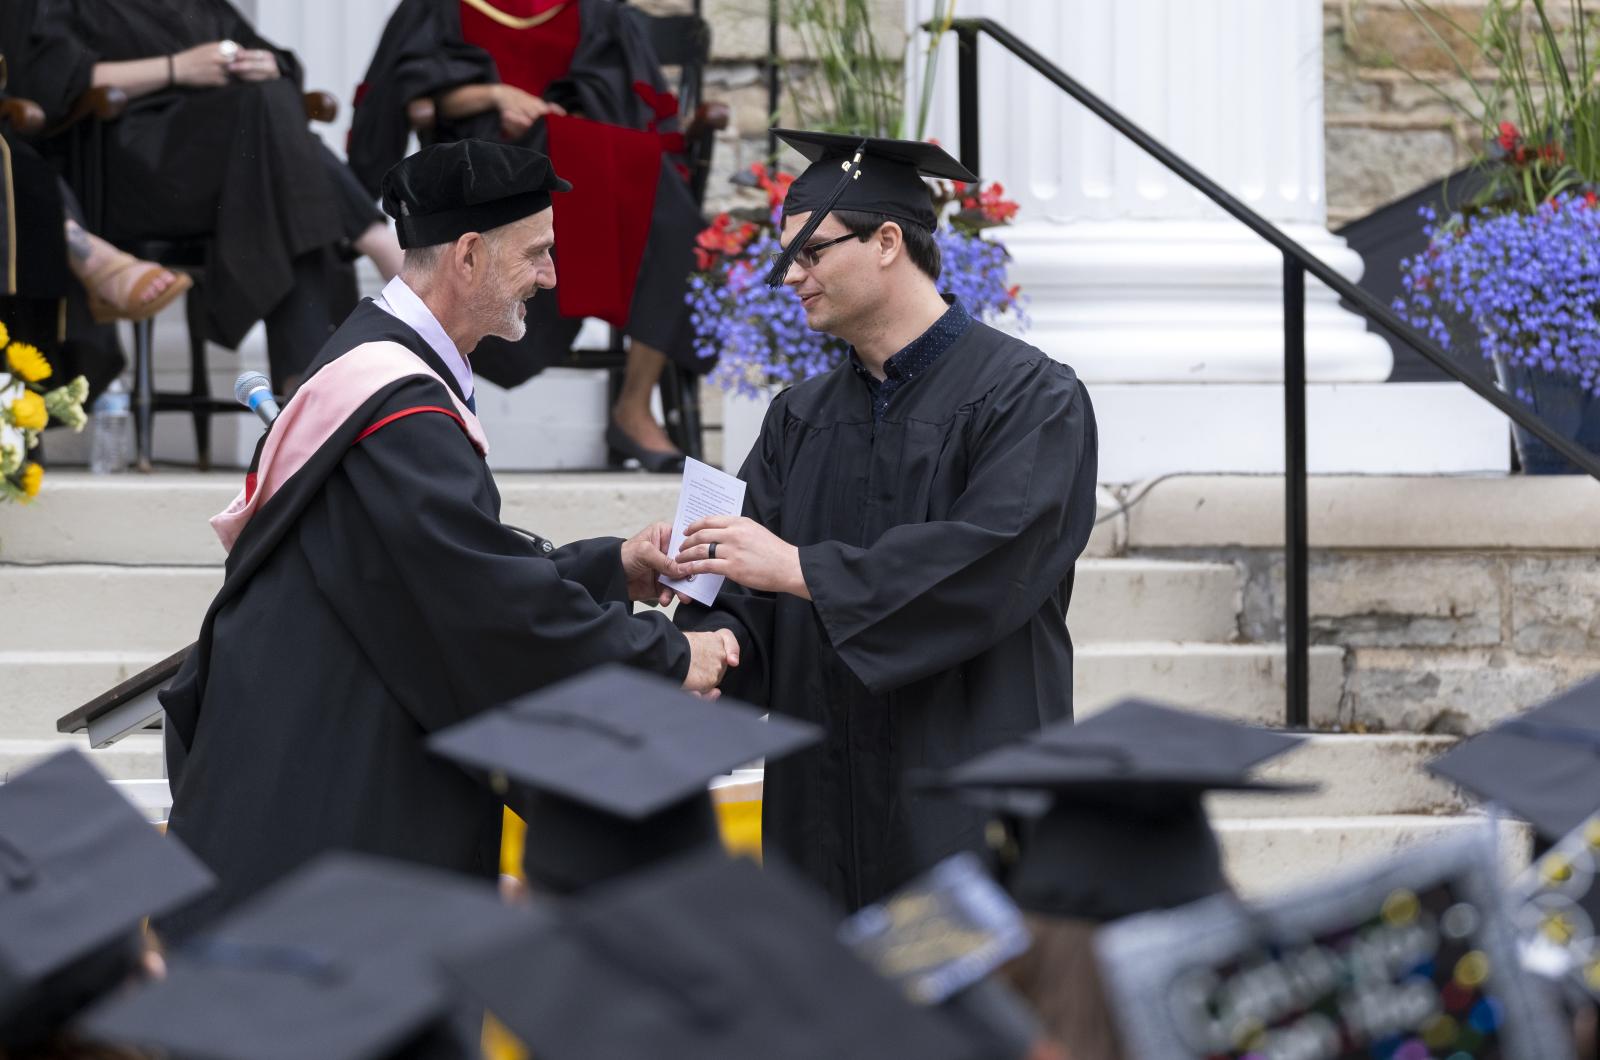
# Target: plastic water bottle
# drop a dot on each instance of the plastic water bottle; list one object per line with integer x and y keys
{"x": 110, "y": 431}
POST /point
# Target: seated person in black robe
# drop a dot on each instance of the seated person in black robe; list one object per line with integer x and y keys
{"x": 495, "y": 69}
{"x": 214, "y": 145}
{"x": 372, "y": 596}
{"x": 912, "y": 519}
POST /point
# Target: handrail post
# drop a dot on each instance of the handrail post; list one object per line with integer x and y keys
{"x": 1296, "y": 607}
{"x": 967, "y": 93}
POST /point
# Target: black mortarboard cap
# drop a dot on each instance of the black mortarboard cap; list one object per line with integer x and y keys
{"x": 447, "y": 190}
{"x": 1543, "y": 766}
{"x": 864, "y": 173}
{"x": 80, "y": 868}
{"x": 1121, "y": 827}
{"x": 337, "y": 962}
{"x": 613, "y": 768}
{"x": 703, "y": 957}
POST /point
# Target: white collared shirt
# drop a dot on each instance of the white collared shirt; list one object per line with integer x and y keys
{"x": 401, "y": 302}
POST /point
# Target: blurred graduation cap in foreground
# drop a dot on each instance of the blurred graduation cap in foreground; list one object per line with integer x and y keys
{"x": 610, "y": 769}
{"x": 337, "y": 961}
{"x": 1112, "y": 820}
{"x": 704, "y": 957}
{"x": 80, "y": 869}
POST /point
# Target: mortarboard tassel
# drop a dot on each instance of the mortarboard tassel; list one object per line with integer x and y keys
{"x": 780, "y": 268}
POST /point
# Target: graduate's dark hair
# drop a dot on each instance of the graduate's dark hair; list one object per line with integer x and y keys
{"x": 924, "y": 252}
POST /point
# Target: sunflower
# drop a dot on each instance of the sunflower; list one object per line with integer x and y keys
{"x": 29, "y": 412}
{"x": 32, "y": 476}
{"x": 27, "y": 363}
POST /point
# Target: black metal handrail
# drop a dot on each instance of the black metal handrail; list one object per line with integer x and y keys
{"x": 1297, "y": 261}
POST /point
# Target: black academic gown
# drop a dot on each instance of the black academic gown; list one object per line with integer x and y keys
{"x": 236, "y": 164}
{"x": 939, "y": 552}
{"x": 422, "y": 53}
{"x": 376, "y": 599}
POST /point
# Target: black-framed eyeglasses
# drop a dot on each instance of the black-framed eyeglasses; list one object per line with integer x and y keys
{"x": 807, "y": 255}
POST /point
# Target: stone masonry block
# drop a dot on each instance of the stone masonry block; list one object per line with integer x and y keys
{"x": 1448, "y": 692}
{"x": 1405, "y": 600}
{"x": 1553, "y": 605}
{"x": 1368, "y": 167}
{"x": 1385, "y": 35}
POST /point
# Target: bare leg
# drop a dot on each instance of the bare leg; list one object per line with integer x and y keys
{"x": 88, "y": 254}
{"x": 631, "y": 413}
{"x": 379, "y": 244}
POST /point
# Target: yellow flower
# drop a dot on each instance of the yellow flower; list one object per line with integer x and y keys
{"x": 29, "y": 412}
{"x": 32, "y": 476}
{"x": 27, "y": 363}
{"x": 5, "y": 336}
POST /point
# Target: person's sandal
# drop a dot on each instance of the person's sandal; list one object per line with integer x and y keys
{"x": 116, "y": 289}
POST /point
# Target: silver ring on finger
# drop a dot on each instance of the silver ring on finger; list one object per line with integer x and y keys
{"x": 229, "y": 50}
{"x": 711, "y": 550}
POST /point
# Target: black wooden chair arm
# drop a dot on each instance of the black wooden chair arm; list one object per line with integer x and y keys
{"x": 102, "y": 103}
{"x": 321, "y": 107}
{"x": 23, "y": 115}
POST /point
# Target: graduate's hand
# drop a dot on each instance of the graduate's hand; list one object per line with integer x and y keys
{"x": 255, "y": 64}
{"x": 747, "y": 552}
{"x": 519, "y": 110}
{"x": 644, "y": 560}
{"x": 203, "y": 66}
{"x": 710, "y": 655}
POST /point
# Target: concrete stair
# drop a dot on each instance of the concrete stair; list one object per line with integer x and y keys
{"x": 114, "y": 574}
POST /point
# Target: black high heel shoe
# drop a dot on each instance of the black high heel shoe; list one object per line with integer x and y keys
{"x": 624, "y": 450}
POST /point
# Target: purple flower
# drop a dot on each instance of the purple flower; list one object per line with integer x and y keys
{"x": 1528, "y": 284}
{"x": 759, "y": 334}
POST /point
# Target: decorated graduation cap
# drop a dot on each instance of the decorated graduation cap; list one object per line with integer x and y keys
{"x": 337, "y": 961}
{"x": 863, "y": 173}
{"x": 1117, "y": 824}
{"x": 703, "y": 957}
{"x": 1540, "y": 766}
{"x": 1413, "y": 956}
{"x": 79, "y": 870}
{"x": 447, "y": 190}
{"x": 610, "y": 769}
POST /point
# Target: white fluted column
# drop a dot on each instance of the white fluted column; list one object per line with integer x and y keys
{"x": 1131, "y": 275}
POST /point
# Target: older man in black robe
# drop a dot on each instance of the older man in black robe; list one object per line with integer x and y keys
{"x": 911, "y": 523}
{"x": 372, "y": 594}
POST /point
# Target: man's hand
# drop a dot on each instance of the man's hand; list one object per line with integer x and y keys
{"x": 747, "y": 552}
{"x": 710, "y": 655}
{"x": 644, "y": 558}
{"x": 519, "y": 110}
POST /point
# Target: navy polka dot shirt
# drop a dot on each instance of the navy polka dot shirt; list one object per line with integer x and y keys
{"x": 914, "y": 359}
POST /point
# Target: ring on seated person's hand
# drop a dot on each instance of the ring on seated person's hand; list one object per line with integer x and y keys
{"x": 229, "y": 50}
{"x": 711, "y": 550}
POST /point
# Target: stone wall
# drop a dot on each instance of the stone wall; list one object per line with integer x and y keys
{"x": 1391, "y": 126}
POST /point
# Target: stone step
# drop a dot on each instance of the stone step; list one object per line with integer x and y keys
{"x": 136, "y": 757}
{"x": 1243, "y": 682}
{"x": 1357, "y": 775}
{"x": 1267, "y": 855}
{"x": 162, "y": 518}
{"x": 110, "y": 608}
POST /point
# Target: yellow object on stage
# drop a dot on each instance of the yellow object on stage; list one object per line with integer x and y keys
{"x": 738, "y": 818}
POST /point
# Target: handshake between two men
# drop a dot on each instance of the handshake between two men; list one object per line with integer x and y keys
{"x": 734, "y": 547}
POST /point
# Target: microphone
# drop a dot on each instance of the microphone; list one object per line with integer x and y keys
{"x": 254, "y": 391}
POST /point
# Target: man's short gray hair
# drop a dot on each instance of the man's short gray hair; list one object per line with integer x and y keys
{"x": 423, "y": 260}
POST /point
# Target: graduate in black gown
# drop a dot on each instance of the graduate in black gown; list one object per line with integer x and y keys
{"x": 912, "y": 519}
{"x": 372, "y": 596}
{"x": 579, "y": 80}
{"x": 214, "y": 144}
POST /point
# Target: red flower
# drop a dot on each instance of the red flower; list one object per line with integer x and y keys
{"x": 992, "y": 204}
{"x": 720, "y": 238}
{"x": 1590, "y": 199}
{"x": 1509, "y": 137}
